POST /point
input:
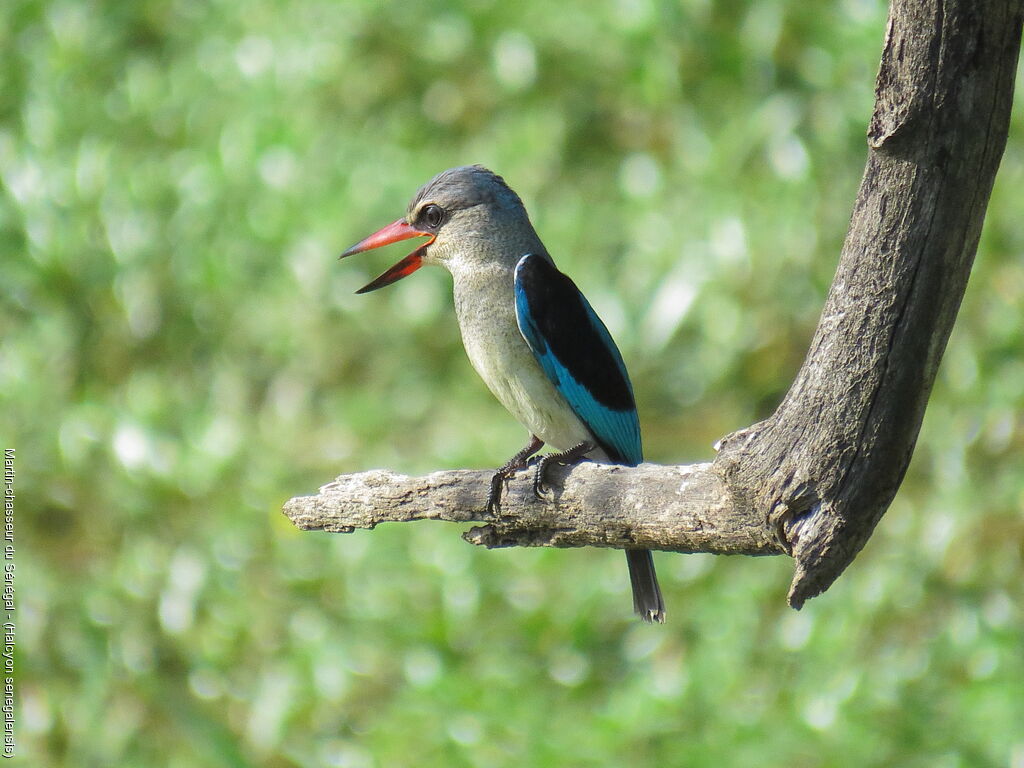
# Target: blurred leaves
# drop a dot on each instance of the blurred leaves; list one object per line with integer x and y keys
{"x": 180, "y": 352}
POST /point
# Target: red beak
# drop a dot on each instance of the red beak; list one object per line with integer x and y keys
{"x": 392, "y": 233}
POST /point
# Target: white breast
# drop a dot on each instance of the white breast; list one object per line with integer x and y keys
{"x": 485, "y": 307}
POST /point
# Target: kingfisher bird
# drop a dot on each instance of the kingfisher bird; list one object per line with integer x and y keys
{"x": 529, "y": 332}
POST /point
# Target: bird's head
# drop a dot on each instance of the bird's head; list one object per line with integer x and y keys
{"x": 468, "y": 214}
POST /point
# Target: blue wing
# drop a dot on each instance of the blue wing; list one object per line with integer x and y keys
{"x": 578, "y": 355}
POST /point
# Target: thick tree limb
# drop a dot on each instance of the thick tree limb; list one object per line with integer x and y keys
{"x": 683, "y": 509}
{"x": 827, "y": 464}
{"x": 815, "y": 478}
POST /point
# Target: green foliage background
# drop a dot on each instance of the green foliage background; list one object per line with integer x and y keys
{"x": 181, "y": 352}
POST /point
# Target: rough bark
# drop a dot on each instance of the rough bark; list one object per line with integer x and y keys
{"x": 683, "y": 509}
{"x": 815, "y": 478}
{"x": 828, "y": 463}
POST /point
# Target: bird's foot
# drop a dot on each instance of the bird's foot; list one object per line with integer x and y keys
{"x": 565, "y": 458}
{"x": 498, "y": 481}
{"x": 520, "y": 461}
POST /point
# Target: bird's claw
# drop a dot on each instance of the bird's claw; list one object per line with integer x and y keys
{"x": 501, "y": 477}
{"x": 541, "y": 489}
{"x": 498, "y": 482}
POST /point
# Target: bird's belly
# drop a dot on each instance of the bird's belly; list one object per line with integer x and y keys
{"x": 512, "y": 373}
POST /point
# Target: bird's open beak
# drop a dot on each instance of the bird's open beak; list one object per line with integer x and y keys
{"x": 392, "y": 233}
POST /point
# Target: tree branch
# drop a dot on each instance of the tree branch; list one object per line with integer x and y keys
{"x": 816, "y": 477}
{"x": 828, "y": 463}
{"x": 681, "y": 509}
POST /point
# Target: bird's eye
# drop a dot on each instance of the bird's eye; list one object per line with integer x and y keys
{"x": 432, "y": 216}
